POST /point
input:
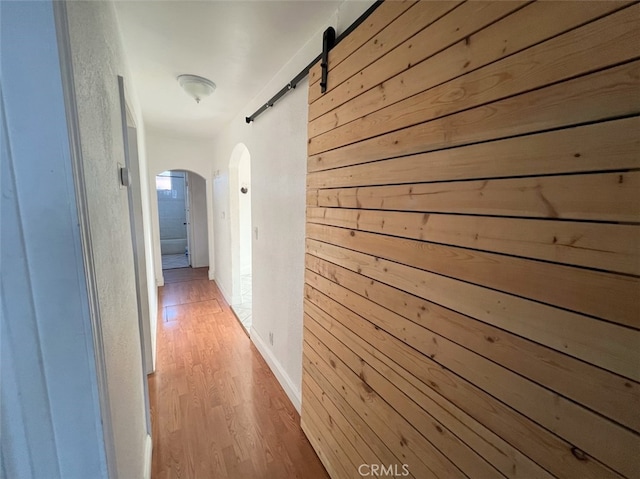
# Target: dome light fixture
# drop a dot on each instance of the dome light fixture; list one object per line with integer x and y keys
{"x": 196, "y": 87}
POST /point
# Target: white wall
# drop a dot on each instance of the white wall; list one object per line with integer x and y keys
{"x": 50, "y": 420}
{"x": 166, "y": 152}
{"x": 97, "y": 60}
{"x": 277, "y": 141}
{"x": 198, "y": 218}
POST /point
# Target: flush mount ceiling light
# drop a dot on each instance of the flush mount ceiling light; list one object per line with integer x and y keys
{"x": 196, "y": 87}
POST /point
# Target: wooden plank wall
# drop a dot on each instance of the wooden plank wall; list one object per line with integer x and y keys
{"x": 471, "y": 289}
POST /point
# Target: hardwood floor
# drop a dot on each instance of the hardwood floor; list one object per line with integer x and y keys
{"x": 217, "y": 411}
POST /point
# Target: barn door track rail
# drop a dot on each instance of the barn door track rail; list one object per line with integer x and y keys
{"x": 329, "y": 40}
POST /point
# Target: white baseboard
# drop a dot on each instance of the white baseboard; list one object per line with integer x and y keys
{"x": 148, "y": 449}
{"x": 231, "y": 300}
{"x": 283, "y": 378}
{"x": 212, "y": 274}
{"x": 227, "y": 296}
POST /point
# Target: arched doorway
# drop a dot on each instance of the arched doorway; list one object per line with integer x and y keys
{"x": 241, "y": 233}
{"x": 182, "y": 219}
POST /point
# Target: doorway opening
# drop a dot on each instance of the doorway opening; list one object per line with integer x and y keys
{"x": 182, "y": 219}
{"x": 171, "y": 188}
{"x": 241, "y": 234}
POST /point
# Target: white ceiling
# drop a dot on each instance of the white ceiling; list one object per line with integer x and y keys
{"x": 239, "y": 45}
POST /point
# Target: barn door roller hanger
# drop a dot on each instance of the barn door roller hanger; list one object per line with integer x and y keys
{"x": 328, "y": 42}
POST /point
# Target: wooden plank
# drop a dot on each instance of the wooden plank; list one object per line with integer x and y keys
{"x": 381, "y": 17}
{"x": 323, "y": 383}
{"x": 315, "y": 73}
{"x": 605, "y": 146}
{"x": 467, "y": 460}
{"x": 614, "y": 33}
{"x": 403, "y": 439}
{"x": 504, "y": 457}
{"x": 605, "y": 295}
{"x": 611, "y": 395}
{"x": 547, "y": 449}
{"x": 323, "y": 454}
{"x": 609, "y": 247}
{"x": 457, "y": 24}
{"x": 558, "y": 414}
{"x": 312, "y": 197}
{"x": 607, "y": 345}
{"x": 342, "y": 433}
{"x": 332, "y": 400}
{"x": 595, "y": 46}
{"x": 326, "y": 440}
{"x": 557, "y": 197}
{"x": 472, "y": 50}
{"x": 414, "y": 19}
{"x": 603, "y": 95}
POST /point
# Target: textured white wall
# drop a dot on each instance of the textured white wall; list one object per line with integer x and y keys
{"x": 97, "y": 60}
{"x": 277, "y": 141}
{"x": 50, "y": 420}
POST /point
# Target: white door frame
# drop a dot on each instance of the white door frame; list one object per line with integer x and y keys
{"x": 137, "y": 245}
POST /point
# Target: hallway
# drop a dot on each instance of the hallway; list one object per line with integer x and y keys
{"x": 217, "y": 410}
